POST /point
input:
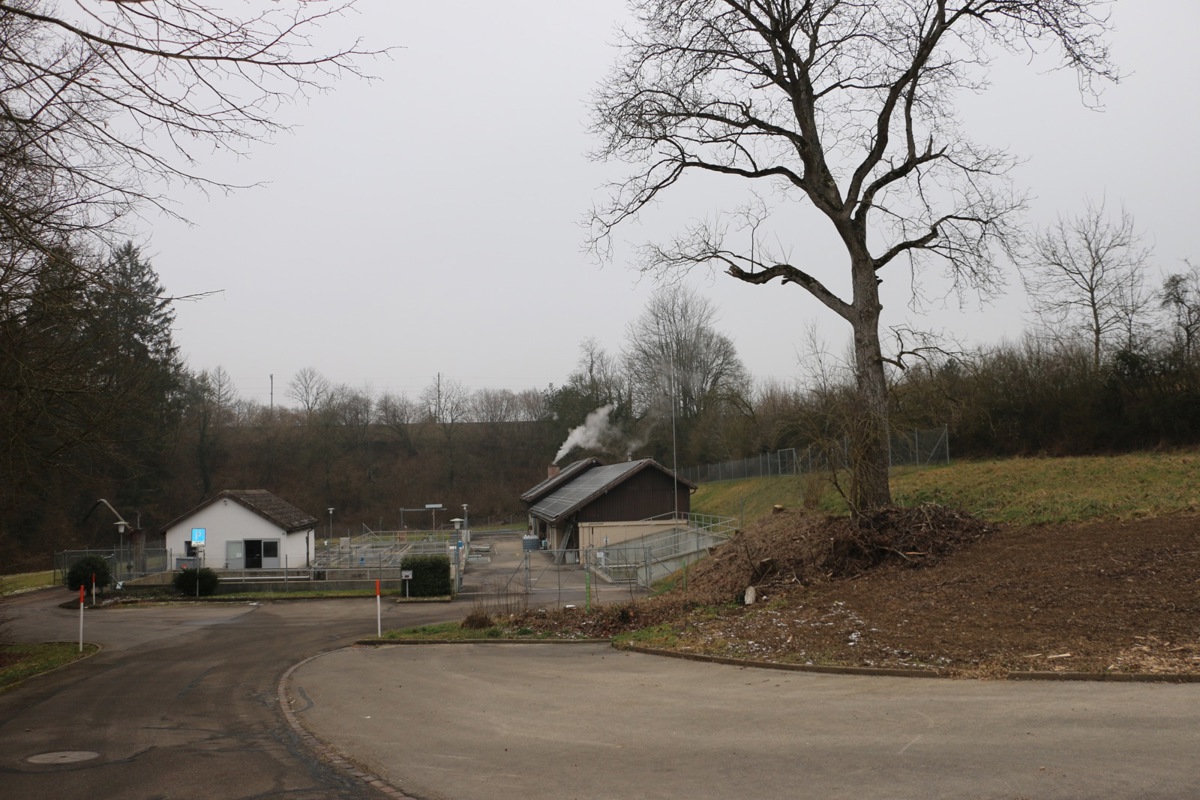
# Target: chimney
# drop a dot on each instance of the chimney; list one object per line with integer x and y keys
{"x": 552, "y": 471}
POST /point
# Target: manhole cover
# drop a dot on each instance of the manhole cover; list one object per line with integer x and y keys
{"x": 63, "y": 757}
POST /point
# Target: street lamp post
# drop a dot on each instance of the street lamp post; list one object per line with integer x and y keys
{"x": 331, "y": 523}
{"x": 121, "y": 526}
{"x": 466, "y": 519}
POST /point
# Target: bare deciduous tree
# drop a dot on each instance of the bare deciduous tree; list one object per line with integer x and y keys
{"x": 398, "y": 414}
{"x": 445, "y": 402}
{"x": 848, "y": 106}
{"x": 494, "y": 407}
{"x": 673, "y": 349}
{"x": 115, "y": 97}
{"x": 310, "y": 389}
{"x": 1181, "y": 296}
{"x": 1087, "y": 275}
{"x": 531, "y": 406}
{"x": 599, "y": 381}
{"x": 352, "y": 410}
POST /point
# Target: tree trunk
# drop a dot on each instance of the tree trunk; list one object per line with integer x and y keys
{"x": 869, "y": 430}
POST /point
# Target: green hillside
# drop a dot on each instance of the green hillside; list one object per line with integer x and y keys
{"x": 1016, "y": 491}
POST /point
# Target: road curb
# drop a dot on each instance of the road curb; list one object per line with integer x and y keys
{"x": 879, "y": 672}
{"x": 823, "y": 669}
{"x": 1111, "y": 677}
{"x": 373, "y": 642}
{"x": 324, "y": 751}
{"x": 889, "y": 672}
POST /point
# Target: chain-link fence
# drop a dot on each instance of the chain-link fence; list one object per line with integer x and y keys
{"x": 906, "y": 448}
{"x": 125, "y": 563}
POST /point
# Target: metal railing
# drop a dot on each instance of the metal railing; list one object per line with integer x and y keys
{"x": 383, "y": 548}
{"x": 383, "y": 553}
{"x": 266, "y": 575}
{"x": 653, "y": 557}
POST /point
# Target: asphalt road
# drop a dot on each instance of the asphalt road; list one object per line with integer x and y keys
{"x": 181, "y": 703}
{"x": 184, "y": 702}
{"x": 531, "y": 721}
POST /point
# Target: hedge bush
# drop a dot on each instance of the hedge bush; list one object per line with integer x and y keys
{"x": 80, "y": 573}
{"x": 431, "y": 575}
{"x": 185, "y": 581}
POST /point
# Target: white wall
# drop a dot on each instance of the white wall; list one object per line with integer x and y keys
{"x": 227, "y": 521}
{"x": 599, "y": 535}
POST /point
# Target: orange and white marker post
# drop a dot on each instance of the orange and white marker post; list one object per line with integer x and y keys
{"x": 82, "y": 595}
{"x": 378, "y": 611}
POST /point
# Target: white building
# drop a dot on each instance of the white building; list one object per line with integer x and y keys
{"x": 244, "y": 529}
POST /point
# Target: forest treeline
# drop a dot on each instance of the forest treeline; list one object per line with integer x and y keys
{"x": 99, "y": 404}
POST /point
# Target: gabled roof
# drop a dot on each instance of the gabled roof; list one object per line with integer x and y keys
{"x": 275, "y": 510}
{"x": 554, "y": 481}
{"x": 586, "y": 487}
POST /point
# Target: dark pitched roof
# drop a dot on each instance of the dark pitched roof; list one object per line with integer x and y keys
{"x": 586, "y": 487}
{"x": 275, "y": 510}
{"x": 554, "y": 481}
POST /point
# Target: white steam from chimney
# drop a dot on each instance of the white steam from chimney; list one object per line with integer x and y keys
{"x": 593, "y": 433}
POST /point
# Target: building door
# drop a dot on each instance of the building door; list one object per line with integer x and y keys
{"x": 254, "y": 548}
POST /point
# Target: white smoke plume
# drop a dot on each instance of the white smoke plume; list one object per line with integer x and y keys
{"x": 595, "y": 433}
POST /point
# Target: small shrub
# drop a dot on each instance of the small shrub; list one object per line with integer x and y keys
{"x": 477, "y": 621}
{"x": 80, "y": 573}
{"x": 185, "y": 581}
{"x": 816, "y": 488}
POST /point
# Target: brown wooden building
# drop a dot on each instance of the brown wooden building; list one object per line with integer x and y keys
{"x": 634, "y": 492}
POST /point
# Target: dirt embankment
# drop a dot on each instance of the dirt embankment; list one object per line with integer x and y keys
{"x": 934, "y": 588}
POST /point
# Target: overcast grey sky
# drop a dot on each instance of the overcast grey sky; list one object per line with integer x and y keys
{"x": 430, "y": 221}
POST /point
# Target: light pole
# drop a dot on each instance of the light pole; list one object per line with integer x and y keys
{"x": 466, "y": 519}
{"x": 121, "y": 526}
{"x": 331, "y": 523}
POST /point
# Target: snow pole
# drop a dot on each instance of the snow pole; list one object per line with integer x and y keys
{"x": 378, "y": 611}
{"x": 82, "y": 595}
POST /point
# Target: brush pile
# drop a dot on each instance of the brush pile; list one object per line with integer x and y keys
{"x": 793, "y": 547}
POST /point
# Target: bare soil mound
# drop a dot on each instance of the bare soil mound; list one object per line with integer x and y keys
{"x": 933, "y": 588}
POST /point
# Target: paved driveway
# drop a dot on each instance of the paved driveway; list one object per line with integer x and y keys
{"x": 497, "y": 721}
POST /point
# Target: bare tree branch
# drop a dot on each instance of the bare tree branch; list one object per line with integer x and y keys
{"x": 845, "y": 105}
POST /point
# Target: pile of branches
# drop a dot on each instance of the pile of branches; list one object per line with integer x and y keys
{"x": 915, "y": 536}
{"x": 797, "y": 548}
